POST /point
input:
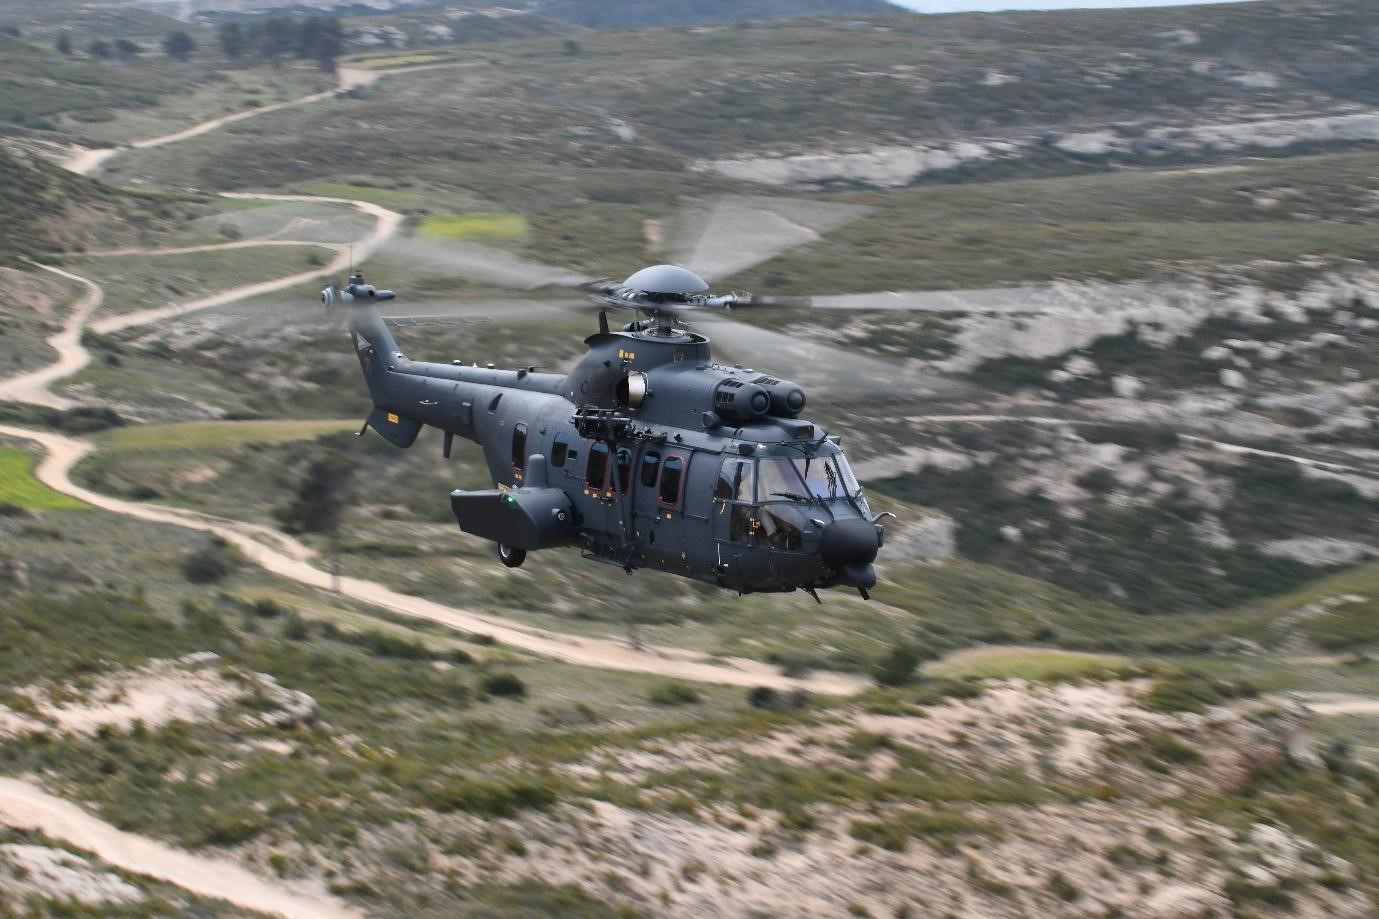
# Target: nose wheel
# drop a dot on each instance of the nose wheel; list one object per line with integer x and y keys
{"x": 510, "y": 556}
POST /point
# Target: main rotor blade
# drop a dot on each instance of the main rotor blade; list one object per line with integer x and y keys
{"x": 478, "y": 262}
{"x": 407, "y": 322}
{"x": 733, "y": 233}
{"x": 830, "y": 369}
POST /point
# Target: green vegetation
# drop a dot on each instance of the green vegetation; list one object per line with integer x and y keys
{"x": 19, "y": 488}
{"x": 211, "y": 563}
{"x": 316, "y": 38}
{"x": 473, "y": 226}
{"x": 217, "y": 435}
{"x": 673, "y": 694}
{"x": 898, "y": 666}
{"x": 1035, "y": 664}
{"x": 1193, "y": 692}
{"x": 940, "y": 828}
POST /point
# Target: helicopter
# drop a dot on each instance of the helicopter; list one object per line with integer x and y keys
{"x": 646, "y": 454}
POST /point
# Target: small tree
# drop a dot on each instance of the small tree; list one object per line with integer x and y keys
{"x": 320, "y": 501}
{"x": 125, "y": 48}
{"x": 11, "y": 31}
{"x": 63, "y": 44}
{"x": 233, "y": 40}
{"x": 572, "y": 47}
{"x": 98, "y": 48}
{"x": 898, "y": 666}
{"x": 179, "y": 45}
{"x": 319, "y": 506}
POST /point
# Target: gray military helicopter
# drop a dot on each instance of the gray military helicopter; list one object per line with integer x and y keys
{"x": 647, "y": 454}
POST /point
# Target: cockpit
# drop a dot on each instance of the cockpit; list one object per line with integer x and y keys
{"x": 772, "y": 500}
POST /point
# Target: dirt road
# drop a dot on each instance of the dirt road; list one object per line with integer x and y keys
{"x": 71, "y": 356}
{"x": 26, "y": 807}
{"x": 386, "y": 224}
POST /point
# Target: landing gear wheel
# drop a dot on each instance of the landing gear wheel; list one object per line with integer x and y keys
{"x": 511, "y": 557}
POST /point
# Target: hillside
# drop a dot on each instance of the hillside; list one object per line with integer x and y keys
{"x": 622, "y": 14}
{"x": 42, "y": 204}
{"x": 1092, "y": 316}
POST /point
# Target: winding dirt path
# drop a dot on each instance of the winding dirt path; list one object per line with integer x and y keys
{"x": 284, "y": 556}
{"x": 26, "y": 807}
{"x": 386, "y": 224}
{"x": 32, "y": 387}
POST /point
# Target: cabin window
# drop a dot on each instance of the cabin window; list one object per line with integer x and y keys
{"x": 651, "y": 467}
{"x": 519, "y": 447}
{"x": 672, "y": 476}
{"x": 596, "y": 471}
{"x": 559, "y": 451}
{"x": 624, "y": 469}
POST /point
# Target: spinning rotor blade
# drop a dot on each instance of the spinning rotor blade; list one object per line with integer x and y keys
{"x": 412, "y": 322}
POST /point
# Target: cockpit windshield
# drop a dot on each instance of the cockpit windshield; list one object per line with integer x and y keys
{"x": 825, "y": 477}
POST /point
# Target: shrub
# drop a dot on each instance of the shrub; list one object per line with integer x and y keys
{"x": 505, "y": 684}
{"x": 763, "y": 697}
{"x": 1194, "y": 692}
{"x": 898, "y": 667}
{"x": 673, "y": 694}
{"x": 502, "y": 797}
{"x": 1062, "y": 888}
{"x": 210, "y": 563}
{"x": 295, "y": 628}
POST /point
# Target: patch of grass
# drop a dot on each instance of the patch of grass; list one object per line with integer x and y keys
{"x": 1345, "y": 626}
{"x": 673, "y": 694}
{"x": 493, "y": 797}
{"x": 473, "y": 226}
{"x": 388, "y": 197}
{"x": 206, "y": 435}
{"x": 1035, "y": 664}
{"x": 398, "y": 60}
{"x": 939, "y": 828}
{"x": 1193, "y": 692}
{"x": 19, "y": 487}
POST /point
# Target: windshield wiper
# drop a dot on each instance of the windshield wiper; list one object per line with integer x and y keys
{"x": 791, "y": 495}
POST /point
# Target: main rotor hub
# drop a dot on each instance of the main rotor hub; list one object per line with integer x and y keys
{"x": 666, "y": 283}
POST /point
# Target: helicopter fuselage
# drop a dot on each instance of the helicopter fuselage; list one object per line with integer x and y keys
{"x": 647, "y": 454}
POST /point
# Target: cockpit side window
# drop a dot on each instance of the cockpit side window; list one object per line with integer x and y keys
{"x": 735, "y": 481}
{"x": 781, "y": 526}
{"x": 734, "y": 495}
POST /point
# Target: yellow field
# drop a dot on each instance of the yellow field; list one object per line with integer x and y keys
{"x": 199, "y": 435}
{"x": 473, "y": 226}
{"x": 1039, "y": 664}
{"x": 19, "y": 487}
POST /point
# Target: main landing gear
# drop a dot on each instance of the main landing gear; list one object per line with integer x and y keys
{"x": 511, "y": 557}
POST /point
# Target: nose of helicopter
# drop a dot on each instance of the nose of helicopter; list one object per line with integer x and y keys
{"x": 849, "y": 543}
